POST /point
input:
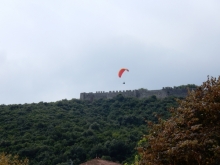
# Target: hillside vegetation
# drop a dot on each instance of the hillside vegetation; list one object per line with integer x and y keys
{"x": 74, "y": 130}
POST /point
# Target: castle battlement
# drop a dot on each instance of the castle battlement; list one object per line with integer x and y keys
{"x": 123, "y": 91}
{"x": 138, "y": 93}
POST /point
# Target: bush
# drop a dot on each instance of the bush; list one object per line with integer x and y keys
{"x": 8, "y": 159}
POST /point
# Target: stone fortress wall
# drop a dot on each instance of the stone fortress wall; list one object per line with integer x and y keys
{"x": 140, "y": 93}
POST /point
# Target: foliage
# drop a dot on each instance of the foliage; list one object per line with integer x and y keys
{"x": 187, "y": 86}
{"x": 136, "y": 160}
{"x": 8, "y": 159}
{"x": 54, "y": 133}
{"x": 191, "y": 135}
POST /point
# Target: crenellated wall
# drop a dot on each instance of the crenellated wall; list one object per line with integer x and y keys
{"x": 140, "y": 93}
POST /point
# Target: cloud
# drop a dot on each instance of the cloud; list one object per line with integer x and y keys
{"x": 51, "y": 50}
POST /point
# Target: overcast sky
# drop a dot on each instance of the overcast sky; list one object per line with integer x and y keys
{"x": 52, "y": 50}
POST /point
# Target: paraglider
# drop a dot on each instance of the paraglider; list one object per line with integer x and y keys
{"x": 121, "y": 71}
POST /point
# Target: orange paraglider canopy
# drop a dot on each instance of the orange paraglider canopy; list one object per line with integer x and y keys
{"x": 121, "y": 71}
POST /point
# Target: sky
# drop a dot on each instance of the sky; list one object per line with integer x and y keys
{"x": 53, "y": 50}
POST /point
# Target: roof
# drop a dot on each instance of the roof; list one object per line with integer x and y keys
{"x": 99, "y": 162}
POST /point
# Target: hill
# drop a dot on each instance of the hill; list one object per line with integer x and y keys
{"x": 54, "y": 133}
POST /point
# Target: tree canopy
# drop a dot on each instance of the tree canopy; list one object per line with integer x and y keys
{"x": 191, "y": 135}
